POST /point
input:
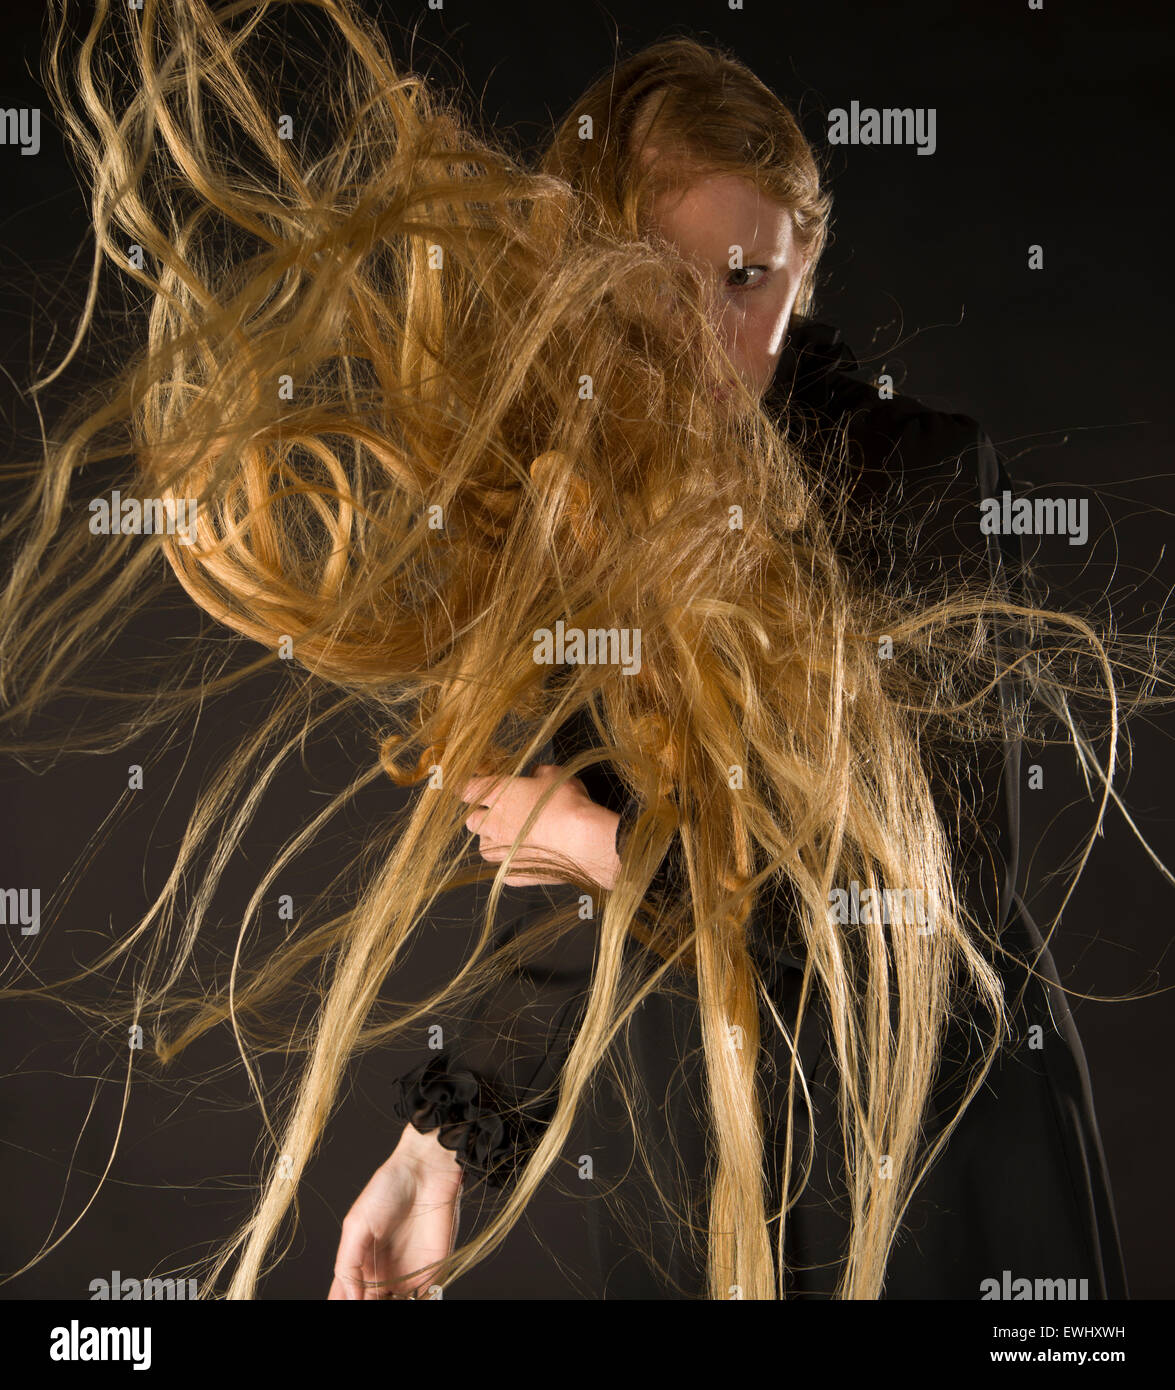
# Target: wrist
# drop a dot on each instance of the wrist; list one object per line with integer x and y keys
{"x": 426, "y": 1156}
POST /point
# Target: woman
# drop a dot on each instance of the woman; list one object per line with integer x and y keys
{"x": 909, "y": 463}
{"x": 427, "y": 408}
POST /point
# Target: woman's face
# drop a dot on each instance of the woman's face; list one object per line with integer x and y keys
{"x": 752, "y": 304}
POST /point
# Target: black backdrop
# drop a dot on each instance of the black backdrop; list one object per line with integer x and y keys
{"x": 1052, "y": 128}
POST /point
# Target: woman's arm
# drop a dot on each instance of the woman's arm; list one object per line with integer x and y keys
{"x": 482, "y": 1100}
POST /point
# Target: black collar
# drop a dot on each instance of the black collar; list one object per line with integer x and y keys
{"x": 813, "y": 357}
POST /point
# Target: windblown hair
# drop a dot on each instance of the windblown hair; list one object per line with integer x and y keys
{"x": 369, "y": 367}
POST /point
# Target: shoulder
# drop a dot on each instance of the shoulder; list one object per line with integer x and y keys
{"x": 915, "y": 467}
{"x": 819, "y": 384}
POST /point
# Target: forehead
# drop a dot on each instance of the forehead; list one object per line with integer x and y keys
{"x": 717, "y": 211}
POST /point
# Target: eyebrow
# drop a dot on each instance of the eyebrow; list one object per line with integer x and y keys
{"x": 758, "y": 257}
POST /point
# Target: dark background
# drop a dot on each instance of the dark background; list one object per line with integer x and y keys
{"x": 1053, "y": 128}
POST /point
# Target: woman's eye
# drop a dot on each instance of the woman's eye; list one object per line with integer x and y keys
{"x": 740, "y": 279}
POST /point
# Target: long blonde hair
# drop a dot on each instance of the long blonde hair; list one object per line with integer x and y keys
{"x": 428, "y": 402}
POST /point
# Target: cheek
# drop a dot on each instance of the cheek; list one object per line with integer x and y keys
{"x": 763, "y": 327}
{"x": 778, "y": 330}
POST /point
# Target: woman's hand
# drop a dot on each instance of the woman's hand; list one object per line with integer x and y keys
{"x": 403, "y": 1221}
{"x": 571, "y": 824}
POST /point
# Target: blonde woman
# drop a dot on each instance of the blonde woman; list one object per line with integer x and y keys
{"x": 434, "y": 411}
{"x": 706, "y": 115}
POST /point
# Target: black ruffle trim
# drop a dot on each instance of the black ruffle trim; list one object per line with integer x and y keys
{"x": 435, "y": 1096}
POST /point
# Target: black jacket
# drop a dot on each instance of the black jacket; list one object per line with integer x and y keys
{"x": 1022, "y": 1185}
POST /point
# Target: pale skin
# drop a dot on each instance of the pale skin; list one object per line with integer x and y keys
{"x": 406, "y": 1218}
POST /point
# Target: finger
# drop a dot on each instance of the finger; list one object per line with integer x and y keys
{"x": 487, "y": 789}
{"x": 379, "y": 1270}
{"x": 484, "y": 789}
{"x": 354, "y": 1256}
{"x": 526, "y": 856}
{"x": 347, "y": 1284}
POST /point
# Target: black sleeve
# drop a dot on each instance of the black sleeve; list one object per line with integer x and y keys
{"x": 492, "y": 1089}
